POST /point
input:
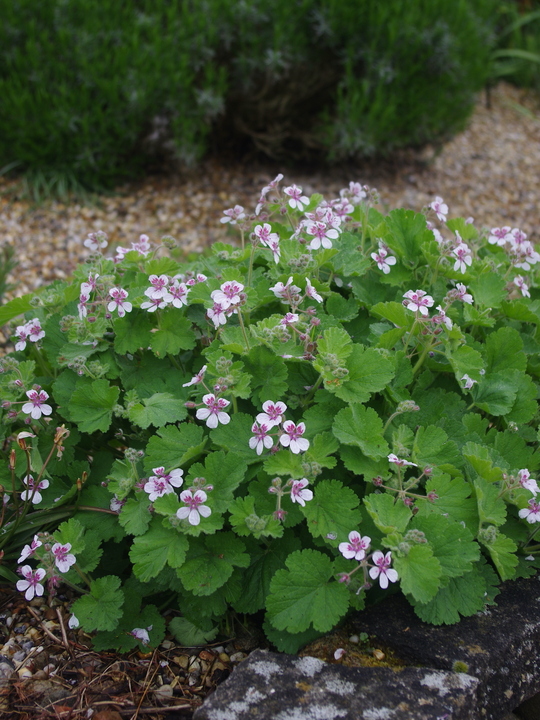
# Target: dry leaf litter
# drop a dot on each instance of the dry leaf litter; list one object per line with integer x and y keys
{"x": 491, "y": 172}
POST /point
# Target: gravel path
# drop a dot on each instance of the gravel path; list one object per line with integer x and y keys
{"x": 491, "y": 172}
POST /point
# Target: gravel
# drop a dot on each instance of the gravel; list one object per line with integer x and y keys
{"x": 491, "y": 171}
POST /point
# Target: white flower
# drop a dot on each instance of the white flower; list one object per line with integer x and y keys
{"x": 228, "y": 294}
{"x": 62, "y": 557}
{"x": 382, "y": 569}
{"x": 520, "y": 283}
{"x": 526, "y": 481}
{"x": 442, "y": 318}
{"x": 162, "y": 482}
{"x": 299, "y": 494}
{"x": 285, "y": 292}
{"x": 323, "y": 235}
{"x": 158, "y": 286}
{"x": 400, "y": 462}
{"x": 31, "y": 583}
{"x": 356, "y": 548}
{"x": 264, "y": 234}
{"x": 462, "y": 294}
{"x": 194, "y": 506}
{"x": 463, "y": 257}
{"x": 156, "y": 303}
{"x": 213, "y": 413}
{"x": 297, "y": 200}
{"x": 96, "y": 241}
{"x": 499, "y": 236}
{"x": 273, "y": 413}
{"x": 232, "y": 215}
{"x": 261, "y": 439}
{"x": 196, "y": 379}
{"x": 418, "y": 301}
{"x": 217, "y": 314}
{"x": 73, "y": 622}
{"x": 383, "y": 259}
{"x": 468, "y": 382}
{"x": 178, "y": 292}
{"x": 119, "y": 302}
{"x": 33, "y": 493}
{"x": 292, "y": 437}
{"x": 311, "y": 292}
{"x": 440, "y": 207}
{"x": 37, "y": 405}
{"x": 532, "y": 513}
{"x": 29, "y": 550}
{"x": 142, "y": 634}
{"x": 289, "y": 319}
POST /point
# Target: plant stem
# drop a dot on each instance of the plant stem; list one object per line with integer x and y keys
{"x": 241, "y": 321}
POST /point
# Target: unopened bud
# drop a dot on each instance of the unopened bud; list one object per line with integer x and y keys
{"x": 190, "y": 404}
{"x": 432, "y": 496}
{"x": 377, "y": 481}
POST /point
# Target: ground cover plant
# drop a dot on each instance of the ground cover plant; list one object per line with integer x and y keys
{"x": 339, "y": 405}
{"x": 119, "y": 87}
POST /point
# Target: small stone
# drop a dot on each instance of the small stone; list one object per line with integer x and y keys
{"x": 24, "y": 673}
{"x": 167, "y": 644}
{"x": 224, "y": 657}
{"x": 237, "y": 656}
{"x": 354, "y": 639}
{"x": 182, "y": 660}
{"x": 205, "y": 655}
{"x": 164, "y": 692}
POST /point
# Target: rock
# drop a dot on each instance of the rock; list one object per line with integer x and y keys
{"x": 483, "y": 668}
{"x": 498, "y": 646}
{"x": 269, "y": 686}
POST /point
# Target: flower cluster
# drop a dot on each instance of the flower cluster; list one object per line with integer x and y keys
{"x": 357, "y": 548}
{"x": 29, "y": 332}
{"x": 56, "y": 557}
{"x": 164, "y": 291}
{"x": 287, "y": 433}
{"x": 226, "y": 302}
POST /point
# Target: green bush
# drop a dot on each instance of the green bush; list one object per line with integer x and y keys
{"x": 517, "y": 57}
{"x": 93, "y": 92}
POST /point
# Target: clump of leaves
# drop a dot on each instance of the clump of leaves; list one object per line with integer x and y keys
{"x": 346, "y": 399}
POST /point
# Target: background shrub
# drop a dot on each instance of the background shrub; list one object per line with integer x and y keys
{"x": 517, "y": 57}
{"x": 95, "y": 91}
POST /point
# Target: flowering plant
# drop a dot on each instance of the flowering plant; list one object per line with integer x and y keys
{"x": 342, "y": 406}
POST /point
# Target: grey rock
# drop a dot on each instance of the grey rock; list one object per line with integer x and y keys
{"x": 498, "y": 646}
{"x": 270, "y": 686}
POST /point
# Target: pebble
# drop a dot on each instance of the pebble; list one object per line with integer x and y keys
{"x": 237, "y": 656}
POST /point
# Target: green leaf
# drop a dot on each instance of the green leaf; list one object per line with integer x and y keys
{"x": 491, "y": 507}
{"x": 189, "y": 635}
{"x": 102, "y": 607}
{"x": 158, "y": 410}
{"x": 407, "y": 233}
{"x": 225, "y": 472}
{"x": 452, "y": 544}
{"x": 333, "y": 510}
{"x": 72, "y": 532}
{"x": 432, "y": 447}
{"x": 519, "y": 310}
{"x": 496, "y": 394}
{"x": 502, "y": 551}
{"x": 482, "y": 459}
{"x": 133, "y": 332}
{"x": 135, "y": 515}
{"x": 369, "y": 372}
{"x": 504, "y": 351}
{"x": 419, "y": 573}
{"x": 489, "y": 290}
{"x": 349, "y": 259}
{"x": 395, "y": 312}
{"x": 526, "y": 405}
{"x": 211, "y": 561}
{"x": 463, "y": 596}
{"x": 174, "y": 446}
{"x": 175, "y": 333}
{"x": 268, "y": 373}
{"x": 286, "y": 642}
{"x": 15, "y": 307}
{"x": 245, "y": 521}
{"x": 362, "y": 427}
{"x": 265, "y": 561}
{"x": 306, "y": 593}
{"x": 284, "y": 462}
{"x": 388, "y": 514}
{"x": 466, "y": 361}
{"x": 336, "y": 342}
{"x": 320, "y": 416}
{"x": 321, "y": 449}
{"x": 235, "y": 436}
{"x": 91, "y": 405}
{"x": 151, "y": 551}
{"x": 343, "y": 308}
{"x": 453, "y": 499}
{"x": 355, "y": 461}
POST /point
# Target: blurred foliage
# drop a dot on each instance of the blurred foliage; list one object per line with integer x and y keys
{"x": 96, "y": 92}
{"x": 517, "y": 57}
